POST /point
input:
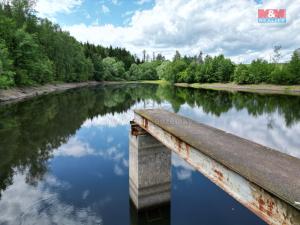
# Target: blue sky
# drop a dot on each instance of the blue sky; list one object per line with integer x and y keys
{"x": 103, "y": 12}
{"x": 163, "y": 26}
{"x": 97, "y": 12}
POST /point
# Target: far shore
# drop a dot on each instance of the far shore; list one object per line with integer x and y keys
{"x": 20, "y": 93}
{"x": 232, "y": 87}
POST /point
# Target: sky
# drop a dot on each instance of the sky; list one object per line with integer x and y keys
{"x": 228, "y": 27}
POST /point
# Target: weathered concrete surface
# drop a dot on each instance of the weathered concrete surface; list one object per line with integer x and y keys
{"x": 244, "y": 169}
{"x": 149, "y": 171}
{"x": 17, "y": 94}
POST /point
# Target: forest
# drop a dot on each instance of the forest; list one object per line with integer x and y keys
{"x": 223, "y": 70}
{"x": 35, "y": 51}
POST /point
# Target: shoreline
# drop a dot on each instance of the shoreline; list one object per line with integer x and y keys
{"x": 21, "y": 93}
{"x": 252, "y": 88}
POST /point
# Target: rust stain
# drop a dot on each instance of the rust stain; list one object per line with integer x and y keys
{"x": 270, "y": 207}
{"x": 178, "y": 142}
{"x": 219, "y": 174}
{"x": 145, "y": 123}
{"x": 187, "y": 147}
{"x": 136, "y": 130}
{"x": 261, "y": 204}
{"x": 266, "y": 205}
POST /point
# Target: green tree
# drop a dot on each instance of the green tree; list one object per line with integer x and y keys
{"x": 6, "y": 69}
{"x": 113, "y": 69}
{"x": 135, "y": 72}
{"x": 32, "y": 66}
{"x": 177, "y": 56}
{"x": 281, "y": 75}
{"x": 149, "y": 70}
{"x": 260, "y": 71}
{"x": 162, "y": 70}
{"x": 241, "y": 74}
{"x": 174, "y": 69}
{"x": 188, "y": 75}
{"x": 98, "y": 69}
{"x": 294, "y": 68}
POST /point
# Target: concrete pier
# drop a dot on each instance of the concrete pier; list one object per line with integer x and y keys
{"x": 264, "y": 180}
{"x": 149, "y": 171}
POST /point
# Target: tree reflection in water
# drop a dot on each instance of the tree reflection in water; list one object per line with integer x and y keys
{"x": 30, "y": 130}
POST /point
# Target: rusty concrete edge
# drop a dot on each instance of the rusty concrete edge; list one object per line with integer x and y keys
{"x": 290, "y": 200}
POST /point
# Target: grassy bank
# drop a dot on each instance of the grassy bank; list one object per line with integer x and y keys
{"x": 256, "y": 88}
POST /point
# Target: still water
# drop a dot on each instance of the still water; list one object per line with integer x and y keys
{"x": 64, "y": 156}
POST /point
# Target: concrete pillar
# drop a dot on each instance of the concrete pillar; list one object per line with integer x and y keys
{"x": 149, "y": 171}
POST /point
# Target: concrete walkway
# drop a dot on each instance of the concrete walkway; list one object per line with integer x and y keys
{"x": 273, "y": 171}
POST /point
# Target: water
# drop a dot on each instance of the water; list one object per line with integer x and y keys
{"x": 64, "y": 157}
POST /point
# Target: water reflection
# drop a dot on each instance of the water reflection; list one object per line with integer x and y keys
{"x": 79, "y": 138}
{"x": 25, "y": 204}
{"x": 156, "y": 215}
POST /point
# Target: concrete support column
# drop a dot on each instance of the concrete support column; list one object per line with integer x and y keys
{"x": 149, "y": 171}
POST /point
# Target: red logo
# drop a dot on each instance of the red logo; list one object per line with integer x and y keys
{"x": 271, "y": 15}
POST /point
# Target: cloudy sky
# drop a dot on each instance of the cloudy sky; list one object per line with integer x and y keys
{"x": 214, "y": 26}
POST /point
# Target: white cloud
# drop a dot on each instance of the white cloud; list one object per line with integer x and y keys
{"x": 121, "y": 119}
{"x": 74, "y": 148}
{"x": 49, "y": 8}
{"x": 110, "y": 120}
{"x": 24, "y": 203}
{"x": 213, "y": 26}
{"x": 85, "y": 194}
{"x": 105, "y": 9}
{"x": 88, "y": 16}
{"x": 77, "y": 148}
{"x": 110, "y": 139}
{"x": 183, "y": 169}
{"x": 141, "y": 2}
{"x": 118, "y": 170}
{"x": 183, "y": 174}
{"x": 115, "y": 2}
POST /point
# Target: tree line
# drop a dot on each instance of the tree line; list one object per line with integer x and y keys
{"x": 220, "y": 69}
{"x": 36, "y": 51}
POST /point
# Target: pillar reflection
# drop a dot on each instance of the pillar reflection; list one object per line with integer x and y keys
{"x": 155, "y": 215}
{"x": 149, "y": 179}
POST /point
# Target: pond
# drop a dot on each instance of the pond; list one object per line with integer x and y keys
{"x": 64, "y": 156}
